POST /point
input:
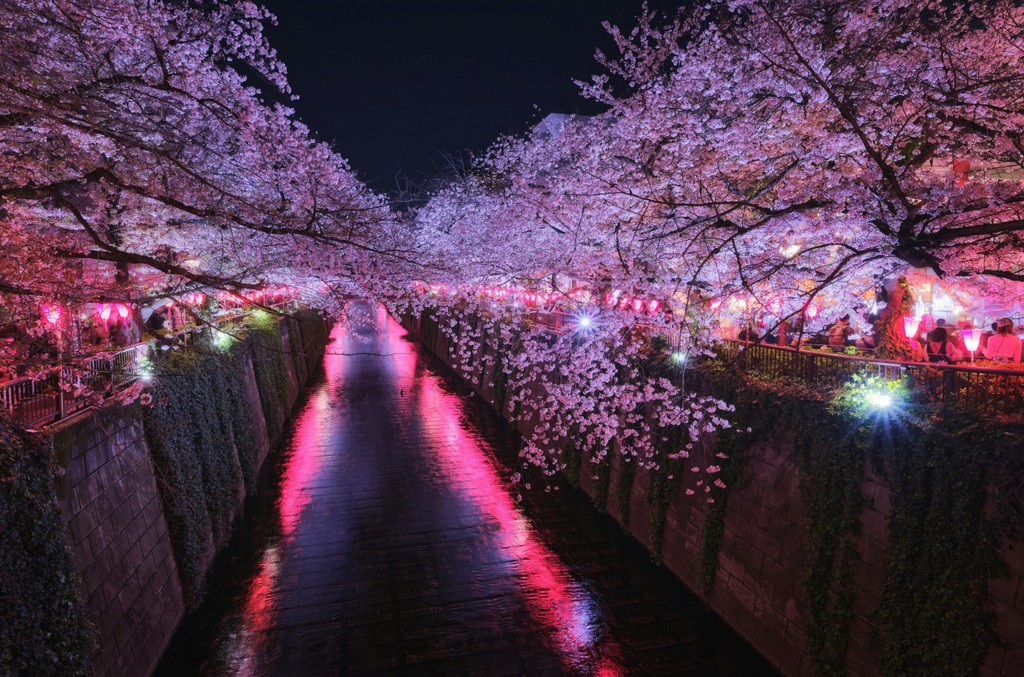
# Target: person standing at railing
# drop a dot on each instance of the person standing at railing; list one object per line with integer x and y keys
{"x": 747, "y": 334}
{"x": 156, "y": 321}
{"x": 1005, "y": 346}
{"x": 839, "y": 333}
{"x": 939, "y": 349}
{"x": 952, "y": 335}
{"x": 986, "y": 335}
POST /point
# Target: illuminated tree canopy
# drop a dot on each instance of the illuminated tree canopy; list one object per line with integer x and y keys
{"x": 775, "y": 149}
{"x": 132, "y": 133}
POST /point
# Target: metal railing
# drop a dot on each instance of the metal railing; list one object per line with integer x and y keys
{"x": 61, "y": 392}
{"x": 996, "y": 391}
{"x": 34, "y": 401}
{"x": 983, "y": 389}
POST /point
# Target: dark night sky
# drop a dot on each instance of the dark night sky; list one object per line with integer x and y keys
{"x": 398, "y": 83}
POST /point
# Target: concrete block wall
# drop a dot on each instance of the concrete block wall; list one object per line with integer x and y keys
{"x": 757, "y": 588}
{"x": 289, "y": 362}
{"x": 119, "y": 538}
{"x": 115, "y": 524}
{"x": 252, "y": 397}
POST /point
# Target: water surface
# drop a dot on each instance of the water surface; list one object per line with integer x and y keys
{"x": 390, "y": 541}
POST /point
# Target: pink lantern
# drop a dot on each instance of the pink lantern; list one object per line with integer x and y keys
{"x": 104, "y": 310}
{"x": 51, "y": 313}
{"x": 652, "y": 307}
{"x": 910, "y": 326}
{"x": 122, "y": 310}
{"x": 638, "y": 305}
{"x": 972, "y": 337}
{"x": 812, "y": 311}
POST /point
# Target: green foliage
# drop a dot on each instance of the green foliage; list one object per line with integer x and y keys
{"x": 944, "y": 541}
{"x": 198, "y": 419}
{"x": 243, "y": 417}
{"x": 664, "y": 482}
{"x": 314, "y": 333}
{"x": 603, "y": 478}
{"x": 202, "y": 431}
{"x": 830, "y": 458}
{"x": 831, "y": 470}
{"x": 296, "y": 343}
{"x": 572, "y": 459}
{"x": 43, "y": 627}
{"x": 271, "y": 376}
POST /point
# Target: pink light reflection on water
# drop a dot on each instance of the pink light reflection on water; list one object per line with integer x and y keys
{"x": 304, "y": 462}
{"x": 553, "y": 598}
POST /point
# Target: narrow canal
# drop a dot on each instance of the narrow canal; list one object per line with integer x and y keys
{"x": 390, "y": 541}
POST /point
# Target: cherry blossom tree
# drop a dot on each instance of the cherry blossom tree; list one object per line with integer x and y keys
{"x": 782, "y": 149}
{"x": 148, "y": 137}
{"x": 757, "y": 158}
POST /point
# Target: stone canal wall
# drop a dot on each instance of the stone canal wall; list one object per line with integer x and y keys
{"x": 121, "y": 501}
{"x": 119, "y": 539}
{"x": 765, "y": 546}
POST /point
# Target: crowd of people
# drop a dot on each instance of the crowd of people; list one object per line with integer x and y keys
{"x": 94, "y": 328}
{"x": 938, "y": 344}
{"x": 999, "y": 343}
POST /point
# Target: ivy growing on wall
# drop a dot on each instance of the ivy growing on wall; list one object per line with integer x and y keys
{"x": 244, "y": 421}
{"x": 202, "y": 432}
{"x": 191, "y": 435}
{"x": 43, "y": 628}
{"x": 624, "y": 491}
{"x": 602, "y": 482}
{"x": 295, "y": 342}
{"x": 955, "y": 492}
{"x": 314, "y": 333}
{"x": 831, "y": 454}
{"x": 573, "y": 461}
{"x": 271, "y": 373}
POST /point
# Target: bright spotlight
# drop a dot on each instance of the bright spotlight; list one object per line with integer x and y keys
{"x": 223, "y": 341}
{"x": 584, "y": 321}
{"x": 879, "y": 400}
{"x": 679, "y": 357}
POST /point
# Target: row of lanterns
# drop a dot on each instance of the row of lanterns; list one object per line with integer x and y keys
{"x": 615, "y": 299}
{"x": 52, "y": 312}
{"x": 912, "y": 328}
